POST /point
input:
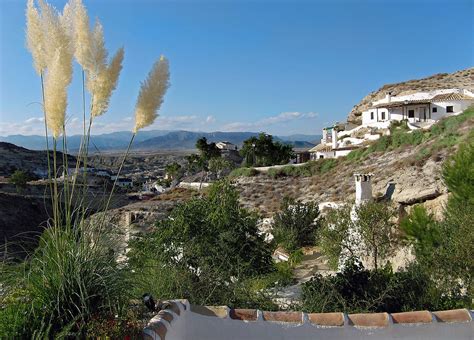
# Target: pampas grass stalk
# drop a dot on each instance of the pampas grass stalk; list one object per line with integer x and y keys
{"x": 74, "y": 272}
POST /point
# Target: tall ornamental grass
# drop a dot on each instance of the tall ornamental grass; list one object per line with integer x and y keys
{"x": 73, "y": 274}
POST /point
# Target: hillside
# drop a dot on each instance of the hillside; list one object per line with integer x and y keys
{"x": 461, "y": 79}
{"x": 14, "y": 157}
{"x": 412, "y": 162}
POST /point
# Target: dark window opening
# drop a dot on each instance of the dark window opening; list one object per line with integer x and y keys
{"x": 411, "y": 113}
{"x": 449, "y": 109}
{"x": 383, "y": 115}
{"x": 371, "y": 116}
{"x": 321, "y": 156}
{"x": 435, "y": 109}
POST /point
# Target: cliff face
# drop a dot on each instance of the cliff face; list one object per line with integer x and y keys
{"x": 461, "y": 79}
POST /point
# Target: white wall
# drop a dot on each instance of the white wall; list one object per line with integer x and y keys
{"x": 190, "y": 325}
{"x": 458, "y": 107}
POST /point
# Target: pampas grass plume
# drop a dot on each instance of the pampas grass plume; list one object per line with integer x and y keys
{"x": 35, "y": 37}
{"x": 82, "y": 35}
{"x": 152, "y": 92}
{"x": 105, "y": 84}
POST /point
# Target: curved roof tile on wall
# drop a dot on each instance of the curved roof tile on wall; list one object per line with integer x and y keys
{"x": 181, "y": 320}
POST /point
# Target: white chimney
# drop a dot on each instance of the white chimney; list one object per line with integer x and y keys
{"x": 334, "y": 138}
{"x": 363, "y": 188}
{"x": 388, "y": 97}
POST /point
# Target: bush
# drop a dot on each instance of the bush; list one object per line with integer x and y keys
{"x": 204, "y": 251}
{"x": 71, "y": 275}
{"x": 372, "y": 234}
{"x": 243, "y": 172}
{"x": 20, "y": 178}
{"x": 357, "y": 289}
{"x": 296, "y": 225}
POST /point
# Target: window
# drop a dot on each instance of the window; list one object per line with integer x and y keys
{"x": 411, "y": 113}
{"x": 449, "y": 109}
{"x": 435, "y": 109}
{"x": 383, "y": 115}
{"x": 371, "y": 116}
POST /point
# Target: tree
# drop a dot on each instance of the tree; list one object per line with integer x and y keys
{"x": 173, "y": 170}
{"x": 218, "y": 165}
{"x": 444, "y": 248}
{"x": 20, "y": 178}
{"x": 335, "y": 235}
{"x": 263, "y": 151}
{"x": 367, "y": 229}
{"x": 210, "y": 243}
{"x": 207, "y": 150}
{"x": 296, "y": 225}
{"x": 377, "y": 229}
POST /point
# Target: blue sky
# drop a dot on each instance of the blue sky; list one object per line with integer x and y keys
{"x": 282, "y": 67}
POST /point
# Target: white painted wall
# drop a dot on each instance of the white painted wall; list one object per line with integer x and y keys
{"x": 193, "y": 326}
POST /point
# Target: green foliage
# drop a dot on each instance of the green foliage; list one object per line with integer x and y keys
{"x": 71, "y": 275}
{"x": 207, "y": 150}
{"x": 20, "y": 178}
{"x": 458, "y": 174}
{"x": 374, "y": 232}
{"x": 296, "y": 225}
{"x": 173, "y": 170}
{"x": 243, "y": 172}
{"x": 357, "y": 289}
{"x": 219, "y": 165}
{"x": 263, "y": 151}
{"x": 308, "y": 169}
{"x": 444, "y": 248}
{"x": 204, "y": 252}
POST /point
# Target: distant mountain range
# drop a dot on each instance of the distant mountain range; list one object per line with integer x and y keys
{"x": 156, "y": 140}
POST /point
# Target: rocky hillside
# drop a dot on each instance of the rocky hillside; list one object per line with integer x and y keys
{"x": 461, "y": 79}
{"x": 14, "y": 157}
{"x": 412, "y": 170}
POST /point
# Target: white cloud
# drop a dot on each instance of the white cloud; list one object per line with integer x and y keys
{"x": 210, "y": 119}
{"x": 283, "y": 117}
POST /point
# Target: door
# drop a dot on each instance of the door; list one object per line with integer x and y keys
{"x": 423, "y": 114}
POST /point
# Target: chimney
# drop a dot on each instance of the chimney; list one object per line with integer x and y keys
{"x": 363, "y": 188}
{"x": 388, "y": 97}
{"x": 334, "y": 137}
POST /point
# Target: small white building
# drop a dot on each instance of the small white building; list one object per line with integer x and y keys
{"x": 330, "y": 146}
{"x": 224, "y": 145}
{"x": 417, "y": 107}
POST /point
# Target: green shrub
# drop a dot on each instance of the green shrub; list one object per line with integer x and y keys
{"x": 357, "y": 289}
{"x": 296, "y": 225}
{"x": 243, "y": 172}
{"x": 204, "y": 252}
{"x": 71, "y": 275}
{"x": 20, "y": 178}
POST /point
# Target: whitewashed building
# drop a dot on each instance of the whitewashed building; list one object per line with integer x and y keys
{"x": 417, "y": 107}
{"x": 330, "y": 146}
{"x": 224, "y": 145}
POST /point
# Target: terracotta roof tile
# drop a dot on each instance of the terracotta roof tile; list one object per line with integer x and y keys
{"x": 327, "y": 319}
{"x": 412, "y": 317}
{"x": 243, "y": 314}
{"x": 283, "y": 316}
{"x": 173, "y": 306}
{"x": 219, "y": 311}
{"x": 455, "y": 315}
{"x": 165, "y": 315}
{"x": 159, "y": 328}
{"x": 369, "y": 319}
{"x": 450, "y": 96}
